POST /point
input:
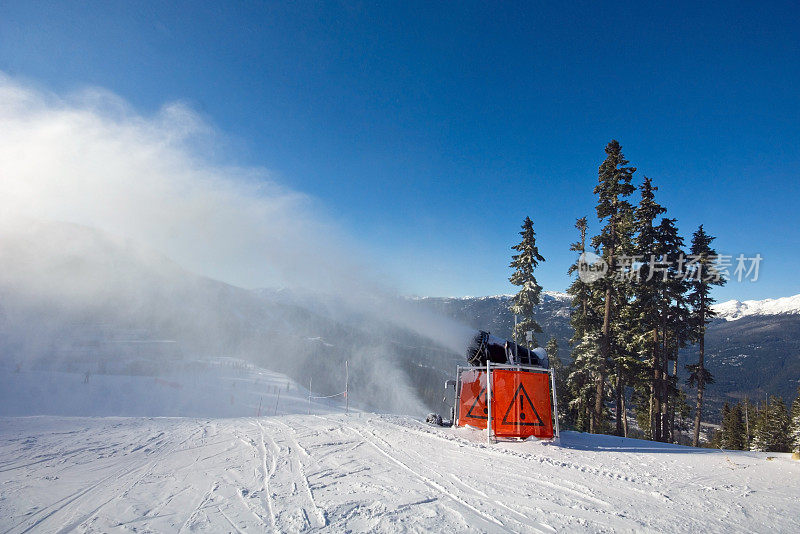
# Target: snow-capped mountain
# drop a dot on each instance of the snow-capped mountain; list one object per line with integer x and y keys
{"x": 736, "y": 309}
{"x": 546, "y": 297}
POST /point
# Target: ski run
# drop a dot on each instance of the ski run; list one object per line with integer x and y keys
{"x": 364, "y": 472}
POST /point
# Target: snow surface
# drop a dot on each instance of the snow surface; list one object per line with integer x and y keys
{"x": 358, "y": 472}
{"x": 365, "y": 472}
{"x": 736, "y": 309}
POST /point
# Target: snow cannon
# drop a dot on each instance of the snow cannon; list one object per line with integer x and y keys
{"x": 507, "y": 389}
{"x": 485, "y": 347}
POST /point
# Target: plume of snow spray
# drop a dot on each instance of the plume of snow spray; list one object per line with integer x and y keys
{"x": 90, "y": 159}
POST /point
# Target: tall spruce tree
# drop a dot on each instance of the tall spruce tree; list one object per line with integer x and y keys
{"x": 647, "y": 298}
{"x": 794, "y": 426}
{"x": 529, "y": 295}
{"x": 580, "y": 319}
{"x": 585, "y": 328}
{"x": 614, "y": 186}
{"x": 673, "y": 318}
{"x": 624, "y": 353}
{"x": 702, "y": 275}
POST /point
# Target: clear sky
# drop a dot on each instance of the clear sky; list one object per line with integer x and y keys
{"x": 429, "y": 131}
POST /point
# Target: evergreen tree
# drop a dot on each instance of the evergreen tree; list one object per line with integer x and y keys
{"x": 623, "y": 348}
{"x": 781, "y": 422}
{"x": 580, "y": 319}
{"x": 627, "y": 366}
{"x": 614, "y": 186}
{"x": 772, "y": 427}
{"x": 758, "y": 441}
{"x": 658, "y": 314}
{"x": 733, "y": 431}
{"x": 586, "y": 324}
{"x": 680, "y": 416}
{"x": 645, "y": 304}
{"x": 673, "y": 317}
{"x": 641, "y": 407}
{"x": 581, "y": 383}
{"x": 717, "y": 440}
{"x": 702, "y": 275}
{"x": 529, "y": 295}
{"x": 794, "y": 427}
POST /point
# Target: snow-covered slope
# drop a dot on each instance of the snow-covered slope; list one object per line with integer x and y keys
{"x": 366, "y": 472}
{"x": 736, "y": 309}
{"x": 219, "y": 387}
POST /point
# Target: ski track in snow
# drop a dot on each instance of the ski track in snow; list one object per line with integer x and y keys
{"x": 366, "y": 472}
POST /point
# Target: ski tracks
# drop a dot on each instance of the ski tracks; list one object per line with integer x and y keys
{"x": 81, "y": 505}
{"x": 267, "y": 473}
{"x": 289, "y": 434}
{"x": 282, "y": 498}
{"x": 391, "y": 453}
{"x": 360, "y": 472}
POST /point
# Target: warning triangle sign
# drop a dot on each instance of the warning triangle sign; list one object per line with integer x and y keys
{"x": 526, "y": 414}
{"x": 478, "y": 410}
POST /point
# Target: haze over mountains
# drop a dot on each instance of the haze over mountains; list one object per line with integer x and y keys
{"x": 74, "y": 299}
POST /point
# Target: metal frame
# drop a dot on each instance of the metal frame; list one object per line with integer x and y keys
{"x": 488, "y": 370}
{"x": 488, "y": 401}
{"x": 556, "y": 430}
{"x": 520, "y": 367}
{"x": 457, "y": 398}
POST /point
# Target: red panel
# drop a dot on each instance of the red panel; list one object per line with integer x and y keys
{"x": 521, "y": 404}
{"x": 472, "y": 409}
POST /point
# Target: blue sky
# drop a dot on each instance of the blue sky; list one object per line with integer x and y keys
{"x": 429, "y": 131}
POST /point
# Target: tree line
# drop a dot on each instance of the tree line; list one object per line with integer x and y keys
{"x": 767, "y": 426}
{"x": 639, "y": 295}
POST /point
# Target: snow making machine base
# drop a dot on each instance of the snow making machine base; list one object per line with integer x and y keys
{"x": 509, "y": 401}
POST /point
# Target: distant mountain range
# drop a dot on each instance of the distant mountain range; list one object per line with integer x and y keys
{"x": 733, "y": 310}
{"x": 75, "y": 299}
{"x": 492, "y": 314}
{"x": 752, "y": 347}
